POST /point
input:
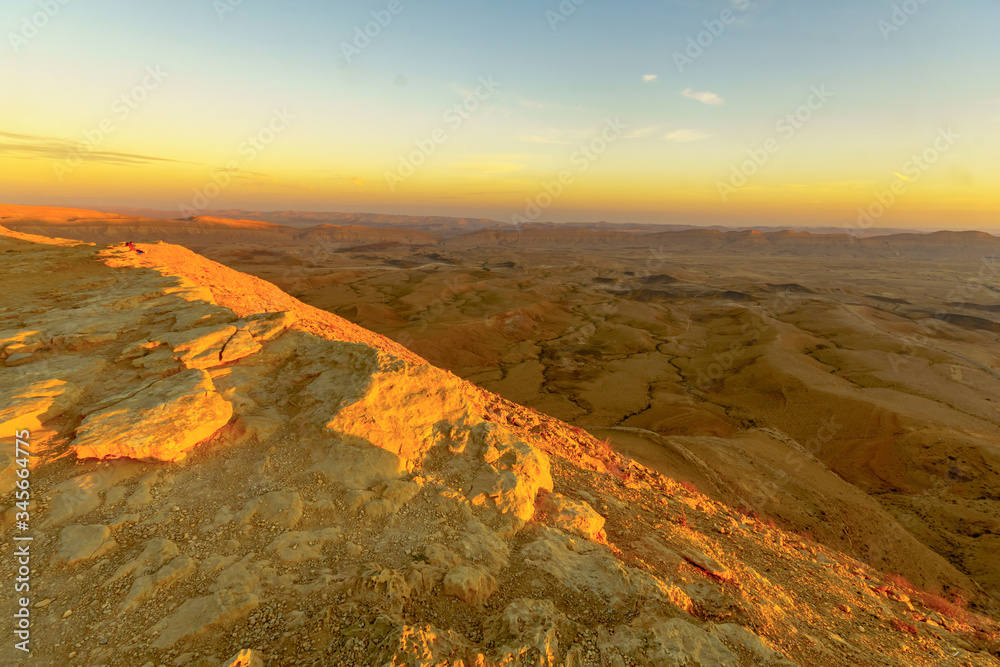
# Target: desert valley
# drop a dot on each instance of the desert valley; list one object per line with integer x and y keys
{"x": 681, "y": 447}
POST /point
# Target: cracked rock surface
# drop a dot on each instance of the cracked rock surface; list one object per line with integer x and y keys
{"x": 319, "y": 496}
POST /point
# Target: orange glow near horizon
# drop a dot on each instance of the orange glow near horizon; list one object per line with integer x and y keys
{"x": 92, "y": 120}
{"x": 511, "y": 192}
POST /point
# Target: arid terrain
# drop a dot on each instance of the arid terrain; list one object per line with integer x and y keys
{"x": 828, "y": 395}
{"x": 853, "y": 399}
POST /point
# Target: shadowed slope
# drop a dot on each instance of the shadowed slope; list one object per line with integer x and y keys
{"x": 364, "y": 507}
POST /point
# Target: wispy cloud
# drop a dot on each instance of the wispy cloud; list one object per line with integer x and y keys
{"x": 642, "y": 132}
{"x": 650, "y": 78}
{"x": 704, "y": 97}
{"x": 683, "y": 136}
{"x": 32, "y": 147}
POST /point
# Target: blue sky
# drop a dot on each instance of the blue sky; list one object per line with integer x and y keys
{"x": 354, "y": 121}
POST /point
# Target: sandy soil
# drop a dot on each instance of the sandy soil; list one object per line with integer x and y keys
{"x": 362, "y": 507}
{"x": 773, "y": 384}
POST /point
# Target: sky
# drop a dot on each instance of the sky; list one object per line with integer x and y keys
{"x": 857, "y": 113}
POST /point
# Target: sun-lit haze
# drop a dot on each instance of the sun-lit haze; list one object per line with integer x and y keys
{"x": 678, "y": 112}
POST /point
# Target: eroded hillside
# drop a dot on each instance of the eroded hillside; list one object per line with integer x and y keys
{"x": 216, "y": 466}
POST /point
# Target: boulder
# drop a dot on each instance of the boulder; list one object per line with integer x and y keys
{"x": 511, "y": 474}
{"x": 574, "y": 516}
{"x": 148, "y": 585}
{"x": 281, "y": 508}
{"x": 79, "y": 543}
{"x": 164, "y": 421}
{"x": 524, "y": 627}
{"x": 155, "y": 553}
{"x": 44, "y": 390}
{"x": 472, "y": 585}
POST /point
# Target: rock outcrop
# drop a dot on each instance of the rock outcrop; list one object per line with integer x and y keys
{"x": 221, "y": 475}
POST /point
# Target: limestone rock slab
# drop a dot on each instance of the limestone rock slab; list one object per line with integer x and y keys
{"x": 80, "y": 543}
{"x": 164, "y": 421}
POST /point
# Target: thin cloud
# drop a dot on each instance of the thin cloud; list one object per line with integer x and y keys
{"x": 684, "y": 136}
{"x": 650, "y": 78}
{"x": 32, "y": 147}
{"x": 704, "y": 97}
{"x": 642, "y": 132}
{"x": 556, "y": 136}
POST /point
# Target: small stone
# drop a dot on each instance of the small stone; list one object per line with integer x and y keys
{"x": 67, "y": 613}
{"x": 44, "y": 603}
{"x": 710, "y": 565}
{"x": 18, "y": 359}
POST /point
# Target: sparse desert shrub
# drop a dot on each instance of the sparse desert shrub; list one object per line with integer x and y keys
{"x": 689, "y": 486}
{"x": 954, "y": 610}
{"x": 606, "y": 453}
{"x": 940, "y": 605}
{"x": 900, "y": 581}
{"x": 808, "y": 537}
{"x": 903, "y": 626}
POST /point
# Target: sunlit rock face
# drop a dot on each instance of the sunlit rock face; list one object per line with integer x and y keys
{"x": 162, "y": 421}
{"x": 223, "y": 476}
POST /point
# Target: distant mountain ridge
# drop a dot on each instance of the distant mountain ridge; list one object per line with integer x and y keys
{"x": 100, "y": 227}
{"x": 457, "y": 225}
